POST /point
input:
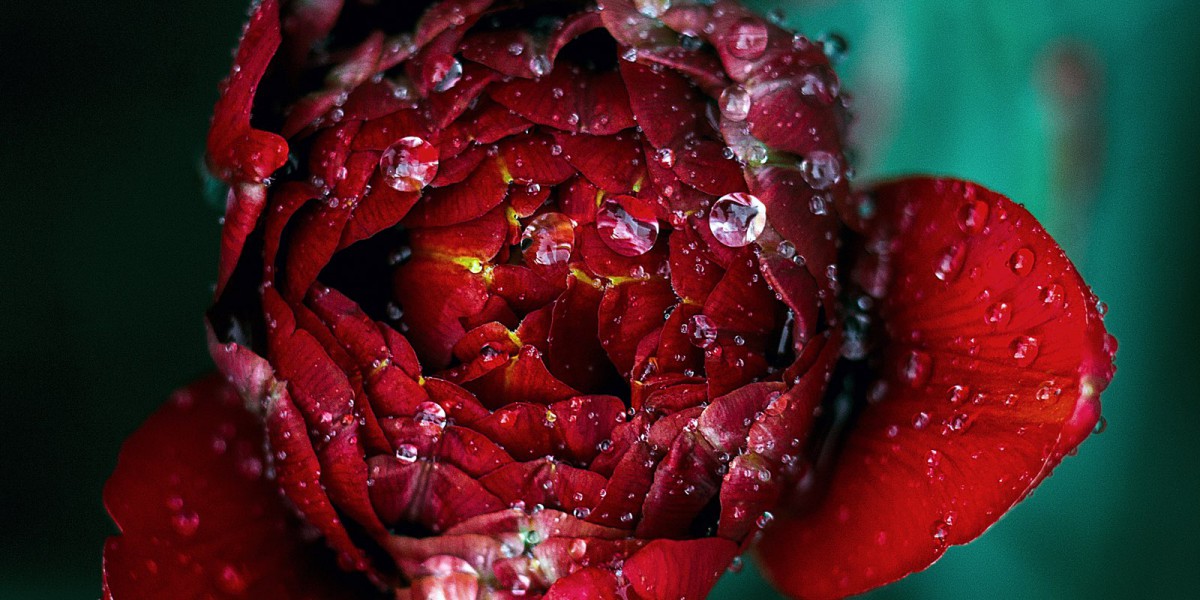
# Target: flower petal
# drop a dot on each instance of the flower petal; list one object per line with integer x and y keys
{"x": 980, "y": 401}
{"x": 199, "y": 519}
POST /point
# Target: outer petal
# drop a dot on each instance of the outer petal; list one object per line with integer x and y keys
{"x": 980, "y": 401}
{"x": 199, "y": 519}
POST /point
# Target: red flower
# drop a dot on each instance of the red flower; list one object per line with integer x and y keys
{"x": 550, "y": 299}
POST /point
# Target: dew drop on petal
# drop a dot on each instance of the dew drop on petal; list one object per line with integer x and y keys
{"x": 735, "y": 103}
{"x": 1024, "y": 349}
{"x": 737, "y": 219}
{"x": 447, "y": 75}
{"x": 430, "y": 415}
{"x": 702, "y": 332}
{"x": 1101, "y": 425}
{"x": 1021, "y": 261}
{"x": 548, "y": 240}
{"x": 916, "y": 368}
{"x": 972, "y": 216}
{"x": 748, "y": 38}
{"x": 835, "y": 46}
{"x": 1052, "y": 295}
{"x": 652, "y": 8}
{"x": 185, "y": 523}
{"x": 998, "y": 314}
{"x": 406, "y": 453}
{"x": 949, "y": 263}
{"x": 821, "y": 169}
{"x": 627, "y": 225}
{"x": 409, "y": 164}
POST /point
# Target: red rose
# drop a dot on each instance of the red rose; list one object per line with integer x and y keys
{"x": 556, "y": 300}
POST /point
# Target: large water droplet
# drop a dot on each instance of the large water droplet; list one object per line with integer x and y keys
{"x": 835, "y": 46}
{"x": 737, "y": 219}
{"x": 998, "y": 314}
{"x": 748, "y": 38}
{"x": 430, "y": 415}
{"x": 652, "y": 8}
{"x": 447, "y": 75}
{"x": 972, "y": 216}
{"x": 409, "y": 164}
{"x": 1021, "y": 261}
{"x": 948, "y": 265}
{"x": 186, "y": 522}
{"x": 548, "y": 240}
{"x": 821, "y": 169}
{"x": 1024, "y": 349}
{"x": 1052, "y": 295}
{"x": 702, "y": 332}
{"x": 735, "y": 103}
{"x": 917, "y": 368}
{"x": 627, "y": 225}
{"x": 407, "y": 453}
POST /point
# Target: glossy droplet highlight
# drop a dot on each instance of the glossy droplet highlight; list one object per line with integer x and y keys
{"x": 185, "y": 523}
{"x": 998, "y": 314}
{"x": 652, "y": 8}
{"x": 821, "y": 169}
{"x": 747, "y": 39}
{"x": 737, "y": 219}
{"x": 430, "y": 415}
{"x": 972, "y": 216}
{"x": 406, "y": 453}
{"x": 627, "y": 225}
{"x": 949, "y": 263}
{"x": 916, "y": 368}
{"x": 446, "y": 75}
{"x": 1021, "y": 261}
{"x": 1024, "y": 349}
{"x": 548, "y": 240}
{"x": 409, "y": 164}
{"x": 735, "y": 103}
{"x": 702, "y": 332}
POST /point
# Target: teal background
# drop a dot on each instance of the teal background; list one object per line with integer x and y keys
{"x": 107, "y": 252}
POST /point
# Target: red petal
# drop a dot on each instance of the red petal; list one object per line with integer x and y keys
{"x": 570, "y": 99}
{"x": 972, "y": 419}
{"x": 198, "y": 519}
{"x": 667, "y": 569}
{"x": 237, "y": 152}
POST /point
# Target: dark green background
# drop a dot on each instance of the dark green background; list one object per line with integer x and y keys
{"x": 107, "y": 252}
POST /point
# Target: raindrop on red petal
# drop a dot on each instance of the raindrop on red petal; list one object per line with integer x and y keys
{"x": 627, "y": 225}
{"x": 1021, "y": 261}
{"x": 748, "y": 38}
{"x": 548, "y": 240}
{"x": 409, "y": 164}
{"x": 737, "y": 219}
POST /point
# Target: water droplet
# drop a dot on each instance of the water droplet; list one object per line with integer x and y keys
{"x": 958, "y": 393}
{"x": 920, "y": 420}
{"x": 735, "y": 103}
{"x": 551, "y": 238}
{"x": 1024, "y": 349}
{"x": 1021, "y": 261}
{"x": 917, "y": 368}
{"x": 748, "y": 38}
{"x": 1101, "y": 425}
{"x": 764, "y": 519}
{"x": 447, "y": 75}
{"x": 736, "y": 565}
{"x": 665, "y": 157}
{"x": 835, "y": 46}
{"x": 578, "y": 548}
{"x": 185, "y": 523}
{"x": 702, "y": 332}
{"x": 1052, "y": 295}
{"x": 653, "y": 8}
{"x": 972, "y": 216}
{"x": 821, "y": 169}
{"x": 737, "y": 219}
{"x": 409, "y": 164}
{"x": 230, "y": 580}
{"x": 998, "y": 314}
{"x": 941, "y": 529}
{"x": 430, "y": 415}
{"x": 948, "y": 265}
{"x": 627, "y": 225}
{"x": 407, "y": 453}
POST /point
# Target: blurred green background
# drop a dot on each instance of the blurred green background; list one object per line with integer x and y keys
{"x": 1084, "y": 110}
